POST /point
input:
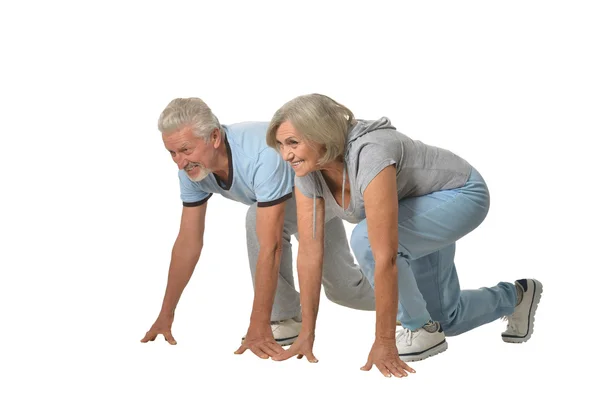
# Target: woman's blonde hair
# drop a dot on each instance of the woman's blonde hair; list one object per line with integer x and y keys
{"x": 319, "y": 119}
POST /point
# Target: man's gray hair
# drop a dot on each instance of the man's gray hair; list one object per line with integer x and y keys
{"x": 319, "y": 119}
{"x": 188, "y": 112}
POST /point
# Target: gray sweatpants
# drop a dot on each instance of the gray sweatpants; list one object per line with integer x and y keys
{"x": 343, "y": 281}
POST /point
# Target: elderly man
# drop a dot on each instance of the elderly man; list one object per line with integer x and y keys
{"x": 236, "y": 162}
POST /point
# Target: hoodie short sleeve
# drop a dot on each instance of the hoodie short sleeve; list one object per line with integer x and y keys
{"x": 372, "y": 159}
{"x": 309, "y": 185}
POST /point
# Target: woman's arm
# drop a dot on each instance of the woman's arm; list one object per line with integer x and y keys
{"x": 310, "y": 256}
{"x": 381, "y": 207}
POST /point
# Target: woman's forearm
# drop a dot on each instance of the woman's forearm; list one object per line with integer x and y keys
{"x": 386, "y": 299}
{"x": 310, "y": 269}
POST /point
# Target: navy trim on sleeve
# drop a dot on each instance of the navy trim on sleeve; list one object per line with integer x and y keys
{"x": 275, "y": 202}
{"x": 198, "y": 203}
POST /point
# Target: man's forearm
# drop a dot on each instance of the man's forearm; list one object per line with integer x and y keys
{"x": 386, "y": 299}
{"x": 265, "y": 283}
{"x": 183, "y": 262}
{"x": 310, "y": 267}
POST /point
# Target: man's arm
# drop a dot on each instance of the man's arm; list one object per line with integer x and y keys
{"x": 184, "y": 256}
{"x": 273, "y": 179}
{"x": 269, "y": 229}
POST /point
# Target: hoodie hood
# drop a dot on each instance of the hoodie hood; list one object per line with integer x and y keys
{"x": 363, "y": 127}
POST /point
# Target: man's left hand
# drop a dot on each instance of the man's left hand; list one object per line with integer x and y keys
{"x": 259, "y": 339}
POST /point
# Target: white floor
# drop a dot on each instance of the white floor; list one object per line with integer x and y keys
{"x": 91, "y": 205}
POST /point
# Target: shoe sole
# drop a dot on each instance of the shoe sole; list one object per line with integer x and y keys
{"x": 537, "y": 296}
{"x": 282, "y": 341}
{"x": 415, "y": 357}
{"x": 286, "y": 341}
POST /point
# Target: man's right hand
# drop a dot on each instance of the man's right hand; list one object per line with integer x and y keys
{"x": 162, "y": 325}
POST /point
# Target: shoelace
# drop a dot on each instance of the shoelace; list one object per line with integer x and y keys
{"x": 408, "y": 333}
{"x": 511, "y": 323}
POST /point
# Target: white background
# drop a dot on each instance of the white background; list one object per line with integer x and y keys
{"x": 90, "y": 206}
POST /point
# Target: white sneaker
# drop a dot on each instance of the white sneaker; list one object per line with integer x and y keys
{"x": 422, "y": 343}
{"x": 520, "y": 323}
{"x": 285, "y": 332}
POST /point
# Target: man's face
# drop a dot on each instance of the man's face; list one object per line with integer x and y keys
{"x": 191, "y": 153}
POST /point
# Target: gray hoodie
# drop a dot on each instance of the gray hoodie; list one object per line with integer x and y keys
{"x": 373, "y": 145}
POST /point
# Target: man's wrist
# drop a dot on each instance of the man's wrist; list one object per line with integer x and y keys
{"x": 169, "y": 313}
{"x": 260, "y": 319}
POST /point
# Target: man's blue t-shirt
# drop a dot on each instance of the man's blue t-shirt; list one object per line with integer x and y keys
{"x": 257, "y": 173}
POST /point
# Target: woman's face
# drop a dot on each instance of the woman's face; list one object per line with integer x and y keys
{"x": 296, "y": 150}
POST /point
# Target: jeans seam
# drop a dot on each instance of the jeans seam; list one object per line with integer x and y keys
{"x": 437, "y": 283}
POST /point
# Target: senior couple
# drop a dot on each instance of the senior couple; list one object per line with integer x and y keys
{"x": 313, "y": 166}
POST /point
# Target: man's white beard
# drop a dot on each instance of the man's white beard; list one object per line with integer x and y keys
{"x": 202, "y": 173}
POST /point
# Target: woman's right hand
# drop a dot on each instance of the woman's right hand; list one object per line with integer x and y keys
{"x": 162, "y": 325}
{"x": 303, "y": 346}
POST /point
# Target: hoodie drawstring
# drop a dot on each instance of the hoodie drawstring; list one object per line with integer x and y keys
{"x": 315, "y": 201}
{"x": 344, "y": 187}
{"x": 314, "y": 214}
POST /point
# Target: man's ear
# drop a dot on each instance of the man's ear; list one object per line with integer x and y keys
{"x": 216, "y": 138}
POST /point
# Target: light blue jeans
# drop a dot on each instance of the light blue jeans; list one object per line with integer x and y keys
{"x": 428, "y": 287}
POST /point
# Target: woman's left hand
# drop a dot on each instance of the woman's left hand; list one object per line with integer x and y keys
{"x": 303, "y": 346}
{"x": 384, "y": 355}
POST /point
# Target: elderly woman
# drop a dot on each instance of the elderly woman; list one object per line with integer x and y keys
{"x": 411, "y": 203}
